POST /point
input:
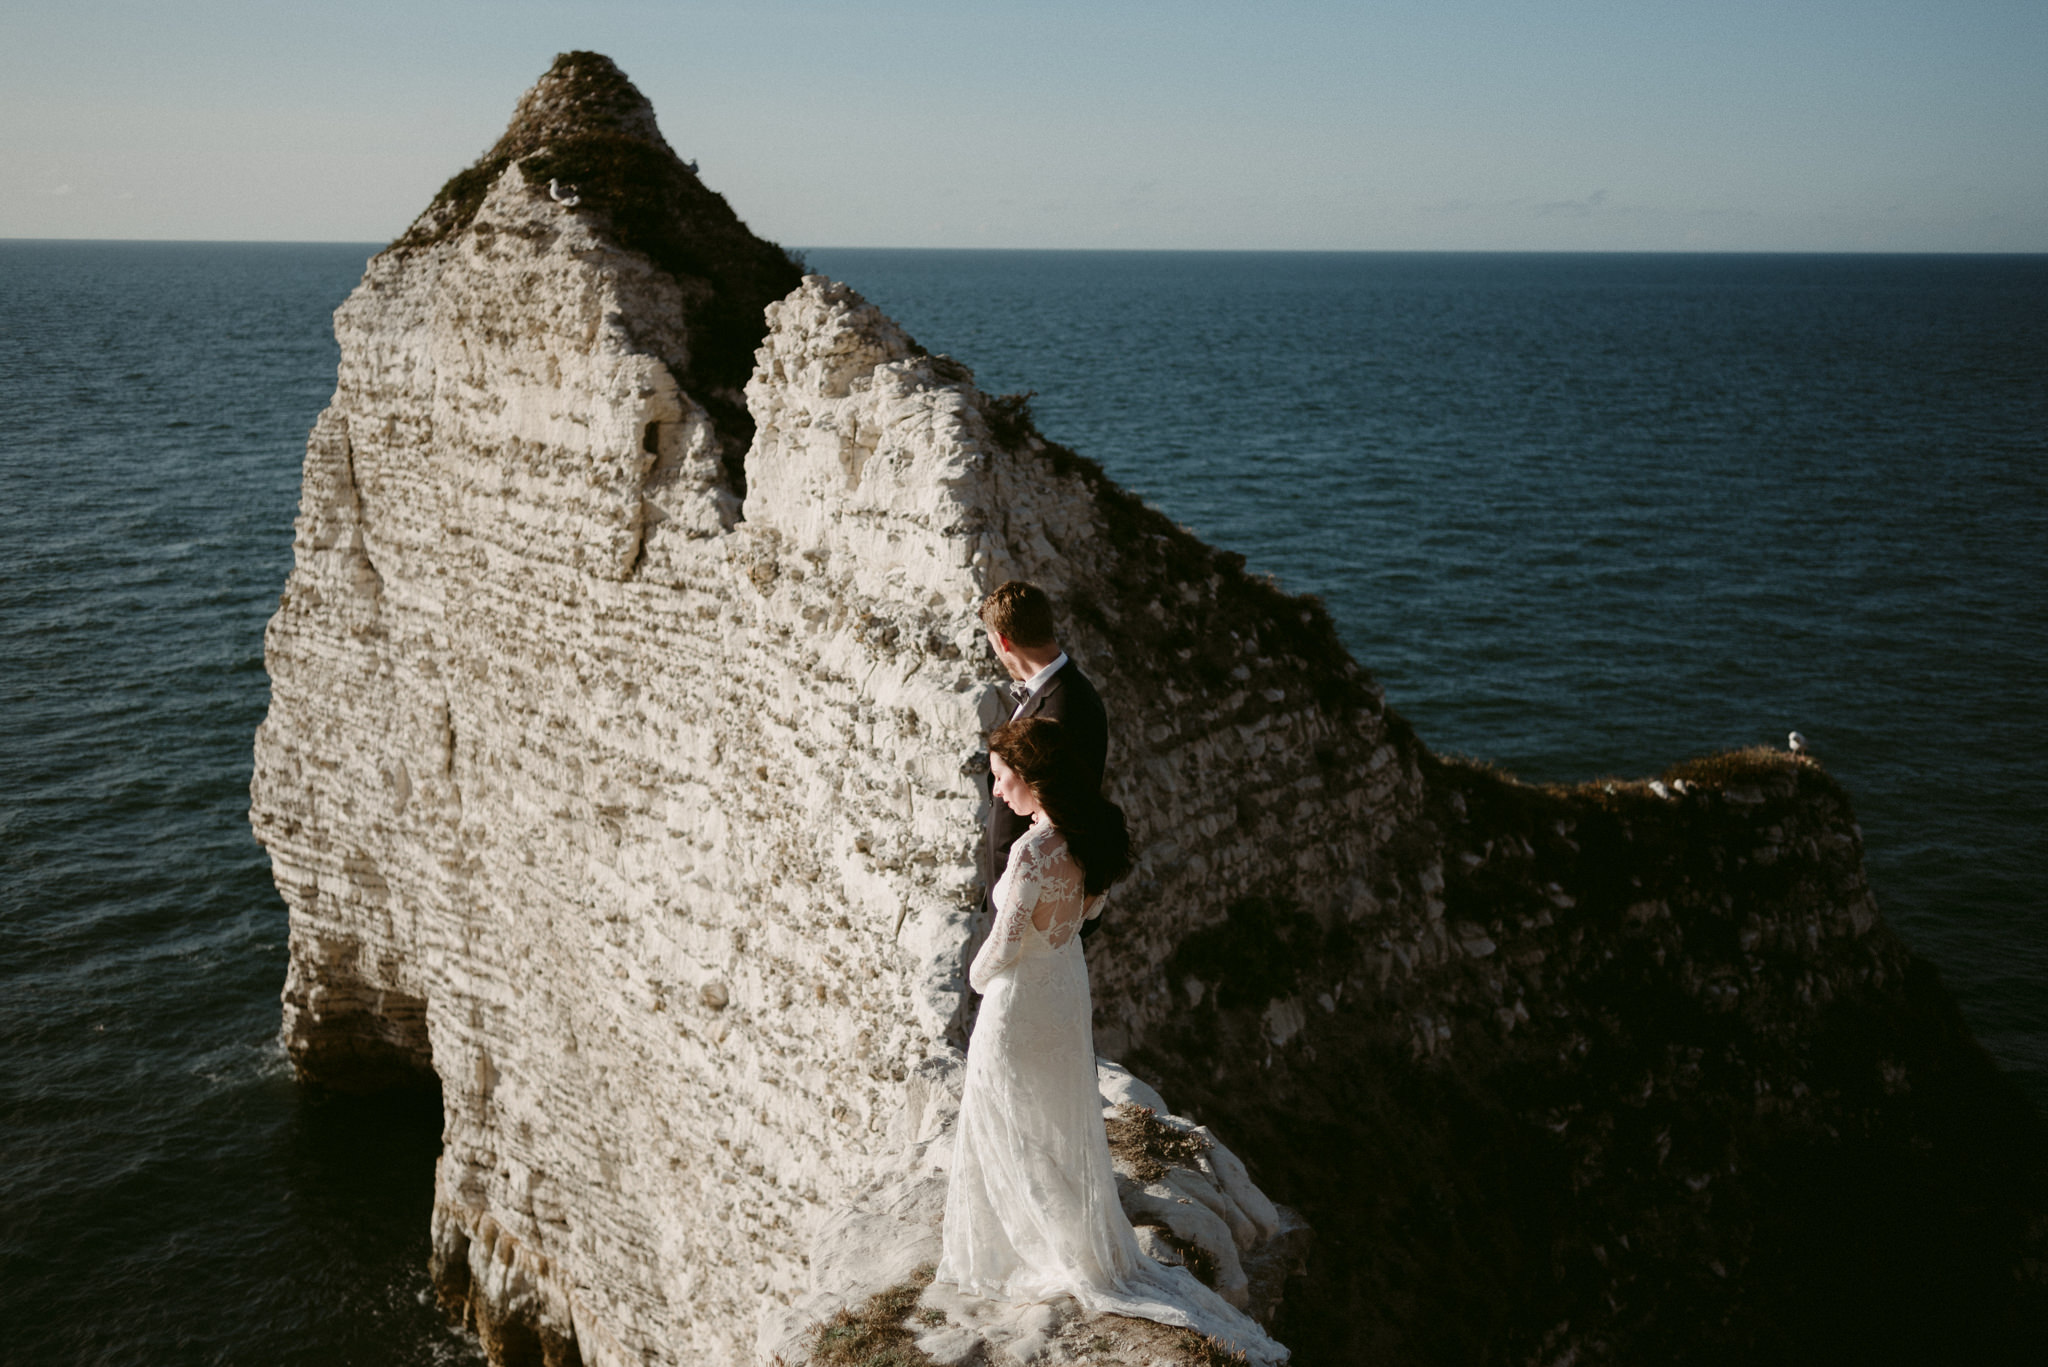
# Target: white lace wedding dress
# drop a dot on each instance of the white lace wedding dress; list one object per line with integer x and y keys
{"x": 1031, "y": 1209}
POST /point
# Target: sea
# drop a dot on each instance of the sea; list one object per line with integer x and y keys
{"x": 1583, "y": 515}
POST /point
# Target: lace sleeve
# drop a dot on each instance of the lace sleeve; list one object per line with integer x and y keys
{"x": 1016, "y": 898}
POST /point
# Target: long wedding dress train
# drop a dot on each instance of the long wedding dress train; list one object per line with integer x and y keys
{"x": 1031, "y": 1209}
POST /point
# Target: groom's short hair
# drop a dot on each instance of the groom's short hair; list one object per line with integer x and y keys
{"x": 1020, "y": 613}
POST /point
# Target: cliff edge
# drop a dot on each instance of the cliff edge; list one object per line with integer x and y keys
{"x": 612, "y": 777}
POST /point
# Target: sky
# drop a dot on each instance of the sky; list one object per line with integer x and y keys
{"x": 1505, "y": 125}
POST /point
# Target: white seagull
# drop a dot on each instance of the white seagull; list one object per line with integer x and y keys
{"x": 1657, "y": 787}
{"x": 567, "y": 197}
{"x": 1797, "y": 742}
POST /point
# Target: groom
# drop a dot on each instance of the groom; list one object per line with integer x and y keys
{"x": 1018, "y": 619}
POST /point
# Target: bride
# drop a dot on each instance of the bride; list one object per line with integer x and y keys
{"x": 1032, "y": 1210}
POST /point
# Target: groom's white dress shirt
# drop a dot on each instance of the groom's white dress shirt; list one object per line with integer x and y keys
{"x": 1036, "y": 682}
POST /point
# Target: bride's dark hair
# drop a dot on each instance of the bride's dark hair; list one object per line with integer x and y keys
{"x": 1097, "y": 835}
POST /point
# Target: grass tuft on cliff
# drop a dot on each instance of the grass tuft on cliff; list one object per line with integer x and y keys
{"x": 875, "y": 1335}
{"x": 1120, "y": 1339}
{"x": 879, "y": 1334}
{"x": 1148, "y": 1145}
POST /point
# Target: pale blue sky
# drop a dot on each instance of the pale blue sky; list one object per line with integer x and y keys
{"x": 1712, "y": 125}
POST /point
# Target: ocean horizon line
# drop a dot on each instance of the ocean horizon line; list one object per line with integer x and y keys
{"x": 1616, "y": 252}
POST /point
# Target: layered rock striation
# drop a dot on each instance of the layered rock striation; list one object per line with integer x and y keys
{"x": 613, "y": 778}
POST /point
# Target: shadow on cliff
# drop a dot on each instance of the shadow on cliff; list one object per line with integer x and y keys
{"x": 1623, "y": 1071}
{"x": 1724, "y": 1131}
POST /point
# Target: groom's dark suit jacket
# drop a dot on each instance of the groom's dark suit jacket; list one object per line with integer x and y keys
{"x": 1069, "y": 699}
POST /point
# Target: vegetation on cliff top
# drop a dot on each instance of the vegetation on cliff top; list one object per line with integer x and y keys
{"x": 878, "y": 1333}
{"x": 1149, "y": 1146}
{"x": 585, "y": 126}
{"x": 883, "y": 1331}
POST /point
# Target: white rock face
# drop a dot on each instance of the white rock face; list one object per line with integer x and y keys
{"x": 660, "y": 826}
{"x": 661, "y": 821}
{"x": 636, "y": 814}
{"x": 655, "y": 830}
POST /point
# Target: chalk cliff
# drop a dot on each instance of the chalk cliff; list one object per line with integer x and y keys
{"x": 612, "y": 776}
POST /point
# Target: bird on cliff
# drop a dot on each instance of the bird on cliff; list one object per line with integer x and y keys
{"x": 1657, "y": 787}
{"x": 563, "y": 195}
{"x": 1797, "y": 743}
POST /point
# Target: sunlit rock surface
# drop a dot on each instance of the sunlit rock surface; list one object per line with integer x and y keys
{"x": 612, "y": 776}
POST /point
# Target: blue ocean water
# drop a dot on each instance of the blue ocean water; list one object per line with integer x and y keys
{"x": 1582, "y": 515}
{"x": 167, "y": 1195}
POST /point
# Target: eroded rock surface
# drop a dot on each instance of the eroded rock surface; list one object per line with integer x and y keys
{"x": 614, "y": 780}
